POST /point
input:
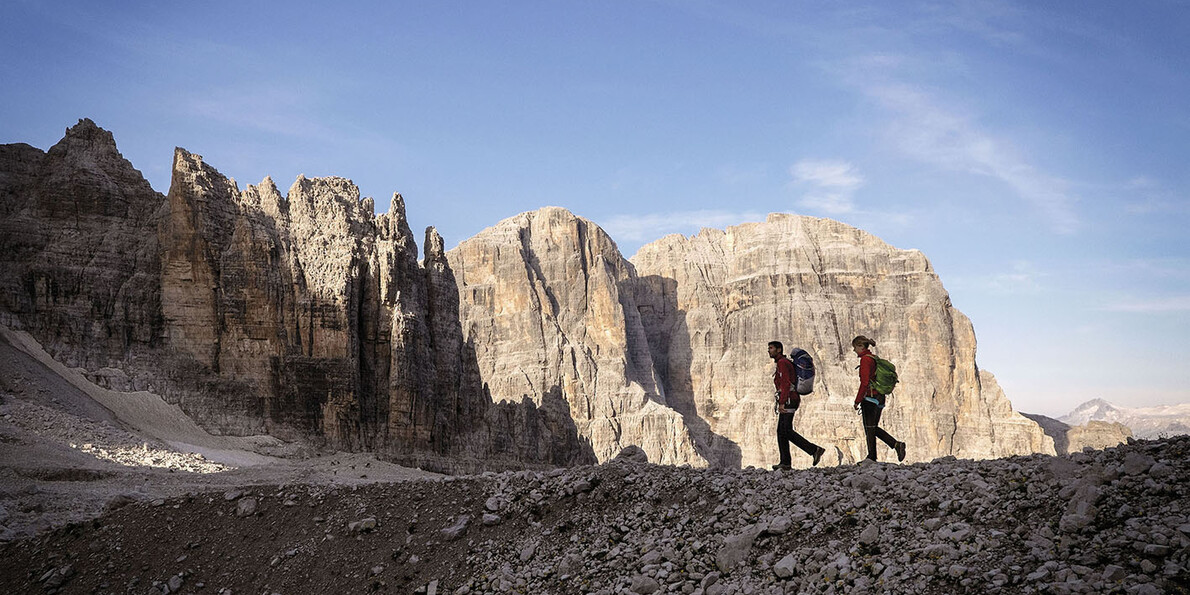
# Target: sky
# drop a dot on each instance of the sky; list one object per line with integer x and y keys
{"x": 1036, "y": 152}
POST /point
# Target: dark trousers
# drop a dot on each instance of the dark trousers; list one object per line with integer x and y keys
{"x": 785, "y": 435}
{"x": 872, "y": 430}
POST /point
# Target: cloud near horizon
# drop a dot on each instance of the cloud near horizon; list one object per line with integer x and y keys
{"x": 832, "y": 184}
{"x": 1179, "y": 303}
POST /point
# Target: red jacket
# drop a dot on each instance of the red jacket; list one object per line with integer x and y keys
{"x": 867, "y": 367}
{"x": 783, "y": 378}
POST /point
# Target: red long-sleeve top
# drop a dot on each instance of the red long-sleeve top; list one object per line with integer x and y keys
{"x": 783, "y": 378}
{"x": 867, "y": 367}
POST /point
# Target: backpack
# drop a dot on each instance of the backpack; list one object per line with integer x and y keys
{"x": 804, "y": 365}
{"x": 884, "y": 378}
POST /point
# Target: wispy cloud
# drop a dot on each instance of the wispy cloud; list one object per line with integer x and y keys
{"x": 923, "y": 128}
{"x": 832, "y": 185}
{"x": 642, "y": 228}
{"x": 1180, "y": 303}
{"x": 283, "y": 110}
{"x": 1149, "y": 197}
{"x": 275, "y": 108}
{"x": 1022, "y": 278}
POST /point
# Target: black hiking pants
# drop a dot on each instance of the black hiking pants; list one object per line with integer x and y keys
{"x": 872, "y": 430}
{"x": 785, "y": 435}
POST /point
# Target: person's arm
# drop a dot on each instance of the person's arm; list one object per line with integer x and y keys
{"x": 867, "y": 365}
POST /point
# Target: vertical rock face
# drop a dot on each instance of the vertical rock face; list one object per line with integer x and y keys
{"x": 307, "y": 315}
{"x": 543, "y": 303}
{"x": 78, "y": 251}
{"x": 710, "y": 304}
{"x": 302, "y": 315}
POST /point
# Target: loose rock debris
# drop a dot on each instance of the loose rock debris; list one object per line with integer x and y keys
{"x": 1111, "y": 521}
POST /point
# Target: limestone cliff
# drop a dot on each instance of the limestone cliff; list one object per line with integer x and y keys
{"x": 301, "y": 315}
{"x": 671, "y": 346}
{"x": 542, "y": 303}
{"x": 711, "y": 302}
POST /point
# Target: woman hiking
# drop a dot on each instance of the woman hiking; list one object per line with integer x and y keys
{"x": 870, "y": 402}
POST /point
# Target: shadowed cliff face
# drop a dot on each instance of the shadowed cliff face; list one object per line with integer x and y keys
{"x": 301, "y": 315}
{"x": 78, "y": 252}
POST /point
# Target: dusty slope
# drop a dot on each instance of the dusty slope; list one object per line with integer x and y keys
{"x": 68, "y": 448}
{"x": 1112, "y": 521}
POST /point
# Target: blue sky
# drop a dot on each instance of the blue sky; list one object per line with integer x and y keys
{"x": 1035, "y": 152}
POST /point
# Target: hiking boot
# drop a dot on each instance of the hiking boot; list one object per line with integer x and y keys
{"x": 900, "y": 448}
{"x": 781, "y": 466}
{"x": 818, "y": 455}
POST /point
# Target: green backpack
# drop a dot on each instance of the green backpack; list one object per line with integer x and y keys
{"x": 884, "y": 379}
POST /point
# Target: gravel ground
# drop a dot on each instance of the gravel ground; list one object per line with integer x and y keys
{"x": 1111, "y": 521}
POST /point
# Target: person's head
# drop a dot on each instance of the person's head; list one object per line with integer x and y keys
{"x": 861, "y": 343}
{"x": 776, "y": 349}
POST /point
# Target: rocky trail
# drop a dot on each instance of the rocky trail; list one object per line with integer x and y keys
{"x": 1110, "y": 521}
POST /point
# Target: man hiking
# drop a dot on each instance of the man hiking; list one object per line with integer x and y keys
{"x": 788, "y": 401}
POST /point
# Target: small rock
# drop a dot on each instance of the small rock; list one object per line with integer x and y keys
{"x": 736, "y": 548}
{"x": 493, "y": 504}
{"x": 246, "y": 507}
{"x": 632, "y": 454}
{"x": 1136, "y": 463}
{"x": 784, "y": 568}
{"x": 778, "y": 526}
{"x": 362, "y": 525}
{"x": 644, "y": 585}
{"x": 458, "y": 529}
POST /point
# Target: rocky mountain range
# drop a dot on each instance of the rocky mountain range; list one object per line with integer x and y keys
{"x": 305, "y": 316}
{"x": 1144, "y": 422}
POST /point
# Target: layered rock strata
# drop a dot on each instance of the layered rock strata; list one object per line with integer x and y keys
{"x": 671, "y": 346}
{"x": 711, "y": 302}
{"x": 302, "y": 316}
{"x": 543, "y": 302}
{"x": 78, "y": 249}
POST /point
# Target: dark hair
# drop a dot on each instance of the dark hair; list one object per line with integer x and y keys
{"x": 862, "y": 342}
{"x": 778, "y": 345}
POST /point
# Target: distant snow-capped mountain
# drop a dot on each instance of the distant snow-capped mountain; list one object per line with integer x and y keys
{"x": 1145, "y": 422}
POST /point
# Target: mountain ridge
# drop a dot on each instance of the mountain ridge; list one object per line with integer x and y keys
{"x": 308, "y": 316}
